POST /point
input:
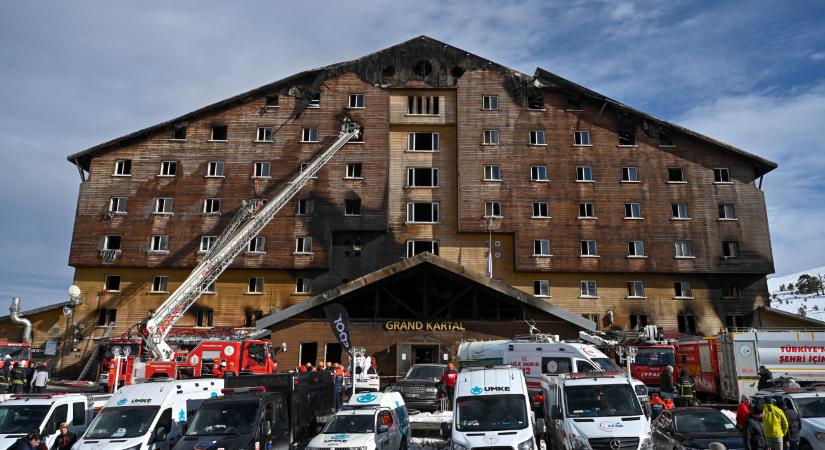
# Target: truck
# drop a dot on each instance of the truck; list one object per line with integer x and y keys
{"x": 20, "y": 352}
{"x": 278, "y": 411}
{"x": 650, "y": 361}
{"x": 420, "y": 386}
{"x": 23, "y": 413}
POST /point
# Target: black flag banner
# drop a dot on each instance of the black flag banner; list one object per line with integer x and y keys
{"x": 339, "y": 322}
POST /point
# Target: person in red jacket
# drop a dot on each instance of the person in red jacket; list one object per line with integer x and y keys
{"x": 449, "y": 379}
{"x": 742, "y": 411}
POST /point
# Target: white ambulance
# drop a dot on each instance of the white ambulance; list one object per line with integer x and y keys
{"x": 593, "y": 412}
{"x": 149, "y": 415}
{"x": 369, "y": 421}
{"x": 492, "y": 409}
{"x": 23, "y": 413}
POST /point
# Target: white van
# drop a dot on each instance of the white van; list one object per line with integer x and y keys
{"x": 148, "y": 415}
{"x": 593, "y": 412}
{"x": 24, "y": 412}
{"x": 369, "y": 421}
{"x": 492, "y": 409}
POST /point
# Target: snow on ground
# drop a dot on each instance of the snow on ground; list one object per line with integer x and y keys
{"x": 436, "y": 417}
{"x": 785, "y": 300}
{"x": 427, "y": 444}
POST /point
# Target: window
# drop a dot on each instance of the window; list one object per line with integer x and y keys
{"x": 422, "y": 105}
{"x": 250, "y": 317}
{"x": 416, "y": 247}
{"x": 537, "y": 137}
{"x": 584, "y": 173}
{"x": 160, "y": 243}
{"x": 315, "y": 101}
{"x": 730, "y": 291}
{"x": 422, "y": 177}
{"x": 489, "y": 102}
{"x": 638, "y": 321}
{"x": 727, "y": 211}
{"x": 675, "y": 175}
{"x": 630, "y": 175}
{"x": 682, "y": 289}
{"x": 541, "y": 288}
{"x": 210, "y": 288}
{"x": 356, "y": 101}
{"x": 117, "y": 205}
{"x": 422, "y": 212}
{"x": 352, "y": 207}
{"x": 78, "y": 413}
{"x": 586, "y": 211}
{"x": 679, "y": 211}
{"x": 214, "y": 169}
{"x": 588, "y": 248}
{"x": 492, "y": 209}
{"x": 539, "y": 173}
{"x": 305, "y": 166}
{"x": 179, "y": 134}
{"x": 256, "y": 245}
{"x": 730, "y": 249}
{"x": 112, "y": 283}
{"x": 264, "y": 134}
{"x": 123, "y": 167}
{"x": 160, "y": 284}
{"x": 490, "y": 137}
{"x": 541, "y": 247}
{"x": 219, "y": 133}
{"x": 627, "y": 138}
{"x": 256, "y": 285}
{"x": 684, "y": 249}
{"x": 540, "y": 210}
{"x": 632, "y": 211}
{"x": 205, "y": 317}
{"x": 111, "y": 242}
{"x": 106, "y": 316}
{"x": 309, "y": 135}
{"x": 302, "y": 285}
{"x": 635, "y": 289}
{"x": 734, "y": 320}
{"x": 535, "y": 102}
{"x": 422, "y": 142}
{"x": 721, "y": 175}
{"x": 163, "y": 205}
{"x": 303, "y": 244}
{"x": 207, "y": 242}
{"x": 686, "y": 323}
{"x": 168, "y": 168}
{"x": 211, "y": 206}
{"x": 358, "y": 137}
{"x": 588, "y": 289}
{"x": 305, "y": 206}
{"x": 492, "y": 173}
{"x": 272, "y": 101}
{"x": 665, "y": 140}
{"x": 635, "y": 249}
{"x": 353, "y": 171}
{"x": 581, "y": 138}
{"x": 260, "y": 170}
{"x": 573, "y": 104}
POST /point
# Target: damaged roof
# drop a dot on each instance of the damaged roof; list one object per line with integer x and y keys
{"x": 423, "y": 59}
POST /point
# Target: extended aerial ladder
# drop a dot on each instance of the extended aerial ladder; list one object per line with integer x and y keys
{"x": 250, "y": 219}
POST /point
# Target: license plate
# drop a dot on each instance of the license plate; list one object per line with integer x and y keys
{"x": 413, "y": 395}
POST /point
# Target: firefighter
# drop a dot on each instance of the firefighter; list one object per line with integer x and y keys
{"x": 4, "y": 374}
{"x": 219, "y": 370}
{"x": 685, "y": 388}
{"x": 18, "y": 379}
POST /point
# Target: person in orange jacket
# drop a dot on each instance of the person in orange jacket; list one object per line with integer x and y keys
{"x": 657, "y": 405}
{"x": 669, "y": 403}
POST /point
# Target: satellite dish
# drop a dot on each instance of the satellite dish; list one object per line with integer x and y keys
{"x": 74, "y": 291}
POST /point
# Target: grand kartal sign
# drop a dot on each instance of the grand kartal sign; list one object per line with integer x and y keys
{"x": 425, "y": 325}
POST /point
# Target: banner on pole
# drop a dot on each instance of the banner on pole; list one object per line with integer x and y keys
{"x": 339, "y": 322}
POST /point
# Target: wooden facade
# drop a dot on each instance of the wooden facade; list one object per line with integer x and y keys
{"x": 347, "y": 246}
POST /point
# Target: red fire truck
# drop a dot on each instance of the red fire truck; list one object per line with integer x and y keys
{"x": 651, "y": 360}
{"x": 16, "y": 351}
{"x": 700, "y": 359}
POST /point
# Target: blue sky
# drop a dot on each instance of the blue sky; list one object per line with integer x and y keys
{"x": 75, "y": 74}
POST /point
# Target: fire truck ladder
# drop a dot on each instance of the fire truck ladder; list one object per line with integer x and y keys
{"x": 252, "y": 217}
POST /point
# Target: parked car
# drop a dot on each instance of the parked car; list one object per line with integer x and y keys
{"x": 809, "y": 404}
{"x": 370, "y": 421}
{"x": 694, "y": 428}
{"x": 420, "y": 386}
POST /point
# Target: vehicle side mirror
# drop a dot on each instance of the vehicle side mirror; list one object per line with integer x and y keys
{"x": 160, "y": 434}
{"x": 555, "y": 412}
{"x": 383, "y": 428}
{"x": 266, "y": 428}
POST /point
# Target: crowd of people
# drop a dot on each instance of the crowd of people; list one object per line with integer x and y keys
{"x": 769, "y": 426}
{"x": 684, "y": 388}
{"x": 19, "y": 377}
{"x": 35, "y": 441}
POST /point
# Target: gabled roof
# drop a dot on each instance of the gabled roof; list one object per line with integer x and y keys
{"x": 410, "y": 263}
{"x": 422, "y": 58}
{"x": 39, "y": 310}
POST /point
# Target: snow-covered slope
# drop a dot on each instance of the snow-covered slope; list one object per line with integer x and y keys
{"x": 814, "y": 305}
{"x": 775, "y": 282}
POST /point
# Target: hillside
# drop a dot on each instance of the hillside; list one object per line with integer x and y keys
{"x": 786, "y": 300}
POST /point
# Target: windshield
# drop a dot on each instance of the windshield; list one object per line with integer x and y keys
{"x": 703, "y": 422}
{"x": 424, "y": 372}
{"x": 810, "y": 407}
{"x": 606, "y": 364}
{"x": 17, "y": 353}
{"x": 125, "y": 422}
{"x": 350, "y": 423}
{"x": 223, "y": 418}
{"x": 606, "y": 400}
{"x": 21, "y": 418}
{"x": 655, "y": 357}
{"x": 491, "y": 413}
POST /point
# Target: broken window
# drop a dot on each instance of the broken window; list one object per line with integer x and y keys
{"x": 302, "y": 285}
{"x": 638, "y": 321}
{"x": 541, "y": 247}
{"x": 305, "y": 206}
{"x": 123, "y": 167}
{"x": 309, "y": 135}
{"x": 730, "y": 249}
{"x": 250, "y": 317}
{"x": 635, "y": 248}
{"x": 112, "y": 283}
{"x": 573, "y": 104}
{"x": 303, "y": 244}
{"x": 581, "y": 138}
{"x": 539, "y": 173}
{"x": 219, "y": 133}
{"x": 210, "y": 288}
{"x": 684, "y": 249}
{"x": 635, "y": 289}
{"x": 264, "y": 134}
{"x": 675, "y": 175}
{"x": 256, "y": 245}
{"x": 356, "y": 101}
{"x": 665, "y": 140}
{"x": 489, "y": 102}
{"x": 588, "y": 288}
{"x": 214, "y": 169}
{"x": 211, "y": 206}
{"x": 423, "y": 105}
{"x": 353, "y": 170}
{"x": 721, "y": 175}
{"x": 163, "y": 205}
{"x": 730, "y": 291}
{"x": 160, "y": 243}
{"x": 160, "y": 284}
{"x": 205, "y": 317}
{"x": 272, "y": 101}
{"x": 179, "y": 134}
{"x": 588, "y": 248}
{"x": 537, "y": 137}
{"x": 586, "y": 210}
{"x": 260, "y": 169}
{"x": 168, "y": 168}
{"x": 632, "y": 211}
{"x": 630, "y": 174}
{"x": 686, "y": 323}
{"x": 117, "y": 205}
{"x": 727, "y": 211}
{"x": 679, "y": 211}
{"x": 423, "y": 142}
{"x": 540, "y": 210}
{"x": 491, "y": 137}
{"x": 627, "y": 138}
{"x": 352, "y": 207}
{"x": 416, "y": 247}
{"x": 315, "y": 101}
{"x": 541, "y": 288}
{"x": 733, "y": 321}
{"x": 584, "y": 173}
{"x": 105, "y": 316}
{"x": 492, "y": 172}
{"x": 492, "y": 209}
{"x": 256, "y": 285}
{"x": 535, "y": 101}
{"x": 358, "y": 137}
{"x": 422, "y": 177}
{"x": 422, "y": 212}
{"x": 207, "y": 242}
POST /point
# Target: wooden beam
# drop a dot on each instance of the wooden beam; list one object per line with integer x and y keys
{"x": 400, "y": 302}
{"x": 455, "y": 299}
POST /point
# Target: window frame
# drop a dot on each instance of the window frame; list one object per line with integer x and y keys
{"x": 679, "y": 211}
{"x": 489, "y": 99}
{"x": 629, "y": 138}
{"x": 123, "y": 168}
{"x": 354, "y": 105}
{"x": 212, "y": 133}
{"x": 347, "y": 204}
{"x": 535, "y": 172}
{"x": 175, "y": 137}
{"x": 410, "y": 247}
{"x": 214, "y": 165}
{"x": 587, "y": 206}
{"x": 681, "y": 180}
{"x": 301, "y": 245}
{"x": 117, "y": 205}
{"x": 433, "y": 177}
{"x": 636, "y": 289}
{"x": 541, "y": 288}
{"x": 308, "y": 209}
{"x": 159, "y": 243}
{"x": 303, "y": 285}
{"x": 211, "y": 211}
{"x": 721, "y": 179}
{"x": 259, "y": 286}
{"x": 209, "y": 239}
{"x": 681, "y": 287}
{"x": 435, "y": 212}
{"x": 681, "y": 245}
{"x": 731, "y": 249}
{"x": 264, "y": 130}
{"x": 489, "y": 175}
{"x": 546, "y": 210}
{"x": 585, "y": 291}
{"x": 272, "y": 104}
{"x": 635, "y": 244}
{"x": 435, "y": 141}
{"x": 160, "y": 284}
{"x": 256, "y": 245}
{"x": 723, "y": 212}
{"x": 491, "y": 137}
{"x": 584, "y": 174}
{"x": 578, "y": 140}
{"x": 417, "y": 106}
{"x": 588, "y": 248}
{"x": 303, "y": 166}
{"x": 633, "y": 208}
{"x": 539, "y": 244}
{"x": 168, "y": 169}
{"x": 315, "y": 101}
{"x": 490, "y": 210}
{"x": 537, "y": 138}
{"x": 112, "y": 277}
{"x": 354, "y": 171}
{"x": 627, "y": 171}
{"x": 265, "y": 169}
{"x": 307, "y": 135}
{"x": 166, "y": 210}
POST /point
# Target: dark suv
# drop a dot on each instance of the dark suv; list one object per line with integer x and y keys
{"x": 421, "y": 386}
